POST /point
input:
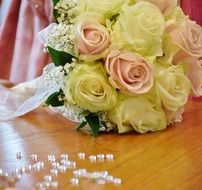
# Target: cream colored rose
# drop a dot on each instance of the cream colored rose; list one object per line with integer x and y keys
{"x": 173, "y": 87}
{"x": 174, "y": 117}
{"x": 103, "y": 7}
{"x": 187, "y": 35}
{"x": 139, "y": 114}
{"x": 166, "y": 6}
{"x": 92, "y": 39}
{"x": 88, "y": 87}
{"x": 195, "y": 74}
{"x": 140, "y": 28}
{"x": 129, "y": 72}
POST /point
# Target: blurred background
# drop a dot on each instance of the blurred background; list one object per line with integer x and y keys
{"x": 21, "y": 54}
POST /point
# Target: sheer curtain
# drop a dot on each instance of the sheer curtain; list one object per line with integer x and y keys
{"x": 21, "y": 54}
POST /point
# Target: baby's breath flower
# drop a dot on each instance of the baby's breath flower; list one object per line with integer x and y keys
{"x": 66, "y": 11}
{"x": 61, "y": 37}
{"x": 56, "y": 76}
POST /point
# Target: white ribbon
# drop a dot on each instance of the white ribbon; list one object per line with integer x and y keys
{"x": 24, "y": 97}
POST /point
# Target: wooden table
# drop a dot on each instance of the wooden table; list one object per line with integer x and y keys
{"x": 170, "y": 159}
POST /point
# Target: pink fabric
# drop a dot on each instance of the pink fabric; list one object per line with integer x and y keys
{"x": 193, "y": 9}
{"x": 21, "y": 54}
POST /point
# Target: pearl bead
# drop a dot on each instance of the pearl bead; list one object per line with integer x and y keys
{"x": 54, "y": 172}
{"x": 104, "y": 173}
{"x": 109, "y": 156}
{"x": 19, "y": 155}
{"x": 55, "y": 165}
{"x": 64, "y": 156}
{"x": 117, "y": 181}
{"x": 46, "y": 184}
{"x": 48, "y": 178}
{"x": 79, "y": 172}
{"x": 81, "y": 156}
{"x": 70, "y": 164}
{"x": 28, "y": 168}
{"x": 63, "y": 169}
{"x": 74, "y": 181}
{"x": 100, "y": 156}
{"x": 109, "y": 178}
{"x": 1, "y": 172}
{"x": 92, "y": 158}
{"x": 22, "y": 170}
{"x": 15, "y": 171}
{"x": 51, "y": 158}
{"x": 17, "y": 177}
{"x": 33, "y": 157}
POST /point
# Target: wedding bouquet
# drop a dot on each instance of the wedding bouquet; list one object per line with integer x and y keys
{"x": 122, "y": 64}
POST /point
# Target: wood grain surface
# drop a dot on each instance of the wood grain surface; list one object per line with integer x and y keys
{"x": 170, "y": 159}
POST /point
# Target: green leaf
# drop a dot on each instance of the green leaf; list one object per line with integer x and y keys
{"x": 114, "y": 17}
{"x": 93, "y": 122}
{"x": 55, "y": 13}
{"x": 53, "y": 99}
{"x": 55, "y": 2}
{"x": 84, "y": 113}
{"x": 60, "y": 57}
{"x": 83, "y": 124}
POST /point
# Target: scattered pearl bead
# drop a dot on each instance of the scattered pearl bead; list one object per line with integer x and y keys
{"x": 15, "y": 171}
{"x": 70, "y": 164}
{"x": 74, "y": 181}
{"x": 93, "y": 175}
{"x": 22, "y": 170}
{"x": 1, "y": 172}
{"x": 17, "y": 177}
{"x": 63, "y": 169}
{"x": 81, "y": 156}
{"x": 55, "y": 165}
{"x": 104, "y": 173}
{"x": 51, "y": 158}
{"x": 54, "y": 172}
{"x": 109, "y": 178}
{"x": 33, "y": 157}
{"x": 19, "y": 155}
{"x": 110, "y": 156}
{"x": 48, "y": 178}
{"x": 64, "y": 156}
{"x": 28, "y": 168}
{"x": 79, "y": 172}
{"x": 92, "y": 158}
{"x": 117, "y": 181}
{"x": 46, "y": 184}
{"x": 100, "y": 156}
{"x": 41, "y": 164}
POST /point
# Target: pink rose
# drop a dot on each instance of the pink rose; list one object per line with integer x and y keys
{"x": 129, "y": 72}
{"x": 166, "y": 6}
{"x": 92, "y": 39}
{"x": 195, "y": 75}
{"x": 188, "y": 36}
